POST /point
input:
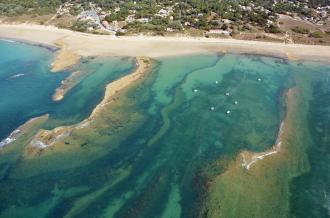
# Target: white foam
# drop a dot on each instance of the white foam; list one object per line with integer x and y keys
{"x": 39, "y": 144}
{"x": 7, "y": 40}
{"x": 12, "y": 137}
{"x": 83, "y": 124}
{"x": 18, "y": 75}
{"x": 275, "y": 149}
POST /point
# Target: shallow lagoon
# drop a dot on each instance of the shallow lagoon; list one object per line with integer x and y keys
{"x": 27, "y": 85}
{"x": 178, "y": 137}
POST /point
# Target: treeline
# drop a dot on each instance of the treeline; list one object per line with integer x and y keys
{"x": 37, "y": 7}
{"x": 227, "y": 9}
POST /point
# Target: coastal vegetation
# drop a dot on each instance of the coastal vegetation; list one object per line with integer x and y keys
{"x": 243, "y": 18}
{"x": 316, "y": 34}
{"x": 301, "y": 30}
{"x": 18, "y": 7}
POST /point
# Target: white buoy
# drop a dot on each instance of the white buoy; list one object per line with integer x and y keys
{"x": 236, "y": 102}
{"x": 195, "y": 90}
{"x": 216, "y": 82}
{"x": 227, "y": 94}
{"x": 228, "y": 112}
{"x": 212, "y": 108}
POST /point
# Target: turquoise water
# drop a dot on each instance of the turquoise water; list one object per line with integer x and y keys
{"x": 176, "y": 128}
{"x": 27, "y": 85}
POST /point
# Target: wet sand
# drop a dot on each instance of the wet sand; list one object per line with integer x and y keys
{"x": 66, "y": 85}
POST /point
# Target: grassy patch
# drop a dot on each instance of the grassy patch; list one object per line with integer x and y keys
{"x": 300, "y": 30}
{"x": 316, "y": 34}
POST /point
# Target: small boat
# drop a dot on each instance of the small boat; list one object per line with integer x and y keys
{"x": 228, "y": 112}
{"x": 235, "y": 102}
{"x": 212, "y": 108}
{"x": 227, "y": 94}
{"x": 259, "y": 79}
{"x": 195, "y": 90}
{"x": 216, "y": 82}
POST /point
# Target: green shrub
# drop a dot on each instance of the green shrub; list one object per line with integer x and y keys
{"x": 80, "y": 26}
{"x": 316, "y": 34}
{"x": 272, "y": 29}
{"x": 300, "y": 30}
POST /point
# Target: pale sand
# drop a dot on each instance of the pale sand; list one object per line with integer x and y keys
{"x": 64, "y": 57}
{"x": 95, "y": 45}
{"x": 66, "y": 85}
{"x": 143, "y": 64}
{"x": 46, "y": 138}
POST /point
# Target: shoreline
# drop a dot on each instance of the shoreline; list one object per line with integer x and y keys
{"x": 19, "y": 131}
{"x": 66, "y": 85}
{"x": 84, "y": 44}
{"x": 247, "y": 184}
{"x": 64, "y": 58}
{"x": 51, "y": 48}
{"x": 47, "y": 138}
{"x": 142, "y": 65}
{"x": 250, "y": 158}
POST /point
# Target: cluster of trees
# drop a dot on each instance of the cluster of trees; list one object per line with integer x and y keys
{"x": 272, "y": 29}
{"x": 200, "y": 14}
{"x": 302, "y": 30}
{"x": 147, "y": 7}
{"x": 37, "y": 7}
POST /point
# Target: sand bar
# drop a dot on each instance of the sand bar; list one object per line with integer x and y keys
{"x": 66, "y": 85}
{"x": 84, "y": 44}
{"x": 64, "y": 58}
{"x": 250, "y": 158}
{"x": 21, "y": 130}
{"x": 47, "y": 138}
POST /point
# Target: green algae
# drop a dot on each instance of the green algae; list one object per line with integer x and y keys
{"x": 311, "y": 190}
{"x": 270, "y": 188}
{"x": 158, "y": 150}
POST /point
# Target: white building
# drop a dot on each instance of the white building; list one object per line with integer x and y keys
{"x": 219, "y": 32}
{"x": 143, "y": 20}
{"x": 163, "y": 13}
{"x": 130, "y": 18}
{"x": 89, "y": 16}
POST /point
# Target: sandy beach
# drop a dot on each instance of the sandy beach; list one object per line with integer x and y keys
{"x": 76, "y": 44}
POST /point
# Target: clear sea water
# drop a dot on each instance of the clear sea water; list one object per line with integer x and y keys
{"x": 27, "y": 85}
{"x": 177, "y": 135}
